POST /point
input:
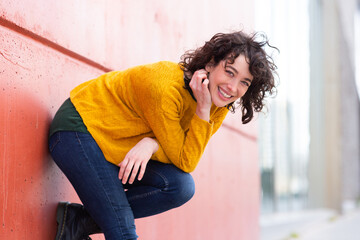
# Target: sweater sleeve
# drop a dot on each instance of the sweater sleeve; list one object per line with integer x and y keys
{"x": 183, "y": 148}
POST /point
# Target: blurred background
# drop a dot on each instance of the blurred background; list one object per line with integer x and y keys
{"x": 292, "y": 173}
{"x": 309, "y": 140}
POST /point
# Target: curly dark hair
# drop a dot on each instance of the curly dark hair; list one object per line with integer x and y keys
{"x": 228, "y": 46}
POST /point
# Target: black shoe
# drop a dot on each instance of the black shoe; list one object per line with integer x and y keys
{"x": 74, "y": 222}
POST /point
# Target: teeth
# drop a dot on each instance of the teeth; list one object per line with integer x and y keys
{"x": 224, "y": 94}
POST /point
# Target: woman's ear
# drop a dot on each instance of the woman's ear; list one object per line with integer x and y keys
{"x": 209, "y": 66}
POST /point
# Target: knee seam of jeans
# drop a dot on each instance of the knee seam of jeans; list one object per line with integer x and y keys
{"x": 166, "y": 182}
{"x": 144, "y": 195}
{"x": 165, "y": 188}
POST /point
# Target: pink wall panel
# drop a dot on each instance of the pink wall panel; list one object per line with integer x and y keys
{"x": 122, "y": 33}
{"x": 48, "y": 47}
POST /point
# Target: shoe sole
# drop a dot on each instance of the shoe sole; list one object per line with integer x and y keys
{"x": 61, "y": 213}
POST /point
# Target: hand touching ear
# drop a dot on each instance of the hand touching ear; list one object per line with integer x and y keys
{"x": 200, "y": 86}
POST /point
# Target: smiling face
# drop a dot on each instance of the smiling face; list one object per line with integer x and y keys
{"x": 228, "y": 81}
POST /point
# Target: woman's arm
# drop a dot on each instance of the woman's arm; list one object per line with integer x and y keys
{"x": 161, "y": 102}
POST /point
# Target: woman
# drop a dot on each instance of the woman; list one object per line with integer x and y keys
{"x": 128, "y": 139}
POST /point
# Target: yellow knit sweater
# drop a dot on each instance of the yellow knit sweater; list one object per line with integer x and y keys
{"x": 120, "y": 108}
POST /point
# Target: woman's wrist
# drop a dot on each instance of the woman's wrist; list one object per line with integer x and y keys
{"x": 153, "y": 142}
{"x": 203, "y": 113}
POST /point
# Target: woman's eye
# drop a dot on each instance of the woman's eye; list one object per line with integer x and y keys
{"x": 245, "y": 83}
{"x": 230, "y": 73}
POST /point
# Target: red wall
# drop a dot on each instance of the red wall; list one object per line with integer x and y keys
{"x": 48, "y": 47}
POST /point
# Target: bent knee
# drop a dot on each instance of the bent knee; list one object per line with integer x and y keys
{"x": 184, "y": 189}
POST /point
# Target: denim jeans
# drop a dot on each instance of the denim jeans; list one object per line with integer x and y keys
{"x": 96, "y": 181}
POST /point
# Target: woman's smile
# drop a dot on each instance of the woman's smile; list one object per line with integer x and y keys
{"x": 224, "y": 94}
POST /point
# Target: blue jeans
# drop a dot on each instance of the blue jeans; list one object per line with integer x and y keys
{"x": 96, "y": 181}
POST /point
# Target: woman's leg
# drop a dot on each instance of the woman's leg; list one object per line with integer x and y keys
{"x": 162, "y": 188}
{"x": 96, "y": 182}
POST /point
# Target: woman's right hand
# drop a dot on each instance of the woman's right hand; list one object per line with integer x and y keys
{"x": 136, "y": 160}
{"x": 200, "y": 86}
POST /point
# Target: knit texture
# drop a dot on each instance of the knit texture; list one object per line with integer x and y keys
{"x": 122, "y": 107}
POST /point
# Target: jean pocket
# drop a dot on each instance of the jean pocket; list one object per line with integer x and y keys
{"x": 53, "y": 141}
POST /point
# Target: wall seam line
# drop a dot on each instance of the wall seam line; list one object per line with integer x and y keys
{"x": 27, "y": 33}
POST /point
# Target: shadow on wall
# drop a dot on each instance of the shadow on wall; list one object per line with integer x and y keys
{"x": 34, "y": 81}
{"x": 31, "y": 184}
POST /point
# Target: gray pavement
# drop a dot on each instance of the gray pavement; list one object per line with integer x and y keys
{"x": 319, "y": 224}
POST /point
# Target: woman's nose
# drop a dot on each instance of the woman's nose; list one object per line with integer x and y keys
{"x": 232, "y": 85}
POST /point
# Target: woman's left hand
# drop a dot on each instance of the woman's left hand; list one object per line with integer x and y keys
{"x": 136, "y": 159}
{"x": 200, "y": 86}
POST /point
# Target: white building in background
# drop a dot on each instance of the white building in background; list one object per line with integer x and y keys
{"x": 310, "y": 147}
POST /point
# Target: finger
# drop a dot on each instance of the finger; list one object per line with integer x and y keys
{"x": 198, "y": 74}
{"x": 142, "y": 170}
{"x": 127, "y": 172}
{"x": 205, "y": 82}
{"x": 205, "y": 86}
{"x": 201, "y": 76}
{"x": 134, "y": 173}
{"x": 122, "y": 166}
{"x": 193, "y": 80}
{"x": 197, "y": 80}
